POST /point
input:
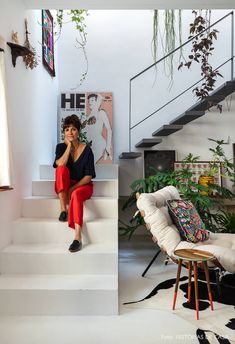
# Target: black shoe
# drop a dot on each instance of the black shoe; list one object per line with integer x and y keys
{"x": 75, "y": 246}
{"x": 63, "y": 216}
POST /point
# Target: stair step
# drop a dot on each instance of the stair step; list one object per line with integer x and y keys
{"x": 166, "y": 130}
{"x": 130, "y": 155}
{"x": 102, "y": 187}
{"x": 102, "y": 172}
{"x": 48, "y": 207}
{"x": 230, "y": 86}
{"x": 224, "y": 90}
{"x": 56, "y": 259}
{"x": 187, "y": 117}
{"x": 148, "y": 142}
{"x": 58, "y": 295}
{"x": 40, "y": 230}
{"x": 215, "y": 97}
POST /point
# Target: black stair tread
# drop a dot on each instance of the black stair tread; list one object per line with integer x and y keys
{"x": 194, "y": 112}
{"x": 148, "y": 142}
{"x": 130, "y": 155}
{"x": 227, "y": 88}
{"x": 187, "y": 117}
{"x": 167, "y": 129}
{"x": 215, "y": 97}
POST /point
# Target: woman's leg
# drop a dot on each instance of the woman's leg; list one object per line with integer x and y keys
{"x": 63, "y": 200}
{"x": 78, "y": 197}
{"x": 62, "y": 185}
{"x": 78, "y": 232}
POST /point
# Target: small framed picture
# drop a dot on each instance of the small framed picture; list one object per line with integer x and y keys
{"x": 48, "y": 42}
{"x": 198, "y": 169}
{"x": 158, "y": 160}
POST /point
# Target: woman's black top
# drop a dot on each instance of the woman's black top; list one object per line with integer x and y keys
{"x": 83, "y": 166}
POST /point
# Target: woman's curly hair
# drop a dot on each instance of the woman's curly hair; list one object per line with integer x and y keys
{"x": 74, "y": 120}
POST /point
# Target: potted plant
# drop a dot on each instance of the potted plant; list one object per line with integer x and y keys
{"x": 217, "y": 162}
{"x": 200, "y": 195}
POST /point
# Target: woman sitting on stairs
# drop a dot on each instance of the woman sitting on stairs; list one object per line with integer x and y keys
{"x": 74, "y": 163}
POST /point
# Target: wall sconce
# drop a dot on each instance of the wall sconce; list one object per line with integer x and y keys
{"x": 18, "y": 50}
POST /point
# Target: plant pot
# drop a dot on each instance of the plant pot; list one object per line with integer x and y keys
{"x": 205, "y": 181}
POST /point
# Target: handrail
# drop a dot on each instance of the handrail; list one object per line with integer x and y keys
{"x": 180, "y": 94}
{"x": 172, "y": 52}
{"x": 181, "y": 46}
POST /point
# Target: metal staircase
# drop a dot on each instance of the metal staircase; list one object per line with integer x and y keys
{"x": 190, "y": 114}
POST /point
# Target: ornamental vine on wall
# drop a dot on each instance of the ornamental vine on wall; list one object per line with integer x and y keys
{"x": 202, "y": 47}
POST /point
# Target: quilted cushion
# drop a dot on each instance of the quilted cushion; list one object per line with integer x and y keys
{"x": 187, "y": 220}
{"x": 158, "y": 218}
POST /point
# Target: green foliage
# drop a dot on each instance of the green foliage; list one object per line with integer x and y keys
{"x": 202, "y": 46}
{"x": 168, "y": 37}
{"x": 78, "y": 17}
{"x": 126, "y": 229}
{"x": 226, "y": 221}
{"x": 219, "y": 156}
{"x": 83, "y": 132}
{"x": 182, "y": 179}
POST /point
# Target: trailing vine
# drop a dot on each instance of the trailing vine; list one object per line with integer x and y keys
{"x": 202, "y": 47}
{"x": 78, "y": 17}
{"x": 168, "y": 37}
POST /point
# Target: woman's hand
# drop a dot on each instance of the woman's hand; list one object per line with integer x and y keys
{"x": 70, "y": 193}
{"x": 67, "y": 142}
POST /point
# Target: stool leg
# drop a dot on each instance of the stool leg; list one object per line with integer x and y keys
{"x": 196, "y": 289}
{"x": 189, "y": 281}
{"x": 177, "y": 282}
{"x": 208, "y": 284}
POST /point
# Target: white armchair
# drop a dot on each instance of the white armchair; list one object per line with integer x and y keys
{"x": 155, "y": 212}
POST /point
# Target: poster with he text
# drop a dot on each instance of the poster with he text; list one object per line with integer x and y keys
{"x": 94, "y": 110}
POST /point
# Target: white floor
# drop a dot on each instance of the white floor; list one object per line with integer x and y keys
{"x": 140, "y": 326}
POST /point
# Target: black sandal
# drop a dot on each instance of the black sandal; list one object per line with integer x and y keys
{"x": 75, "y": 246}
{"x": 63, "y": 216}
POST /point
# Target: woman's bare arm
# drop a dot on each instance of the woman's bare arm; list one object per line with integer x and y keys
{"x": 62, "y": 161}
{"x": 85, "y": 180}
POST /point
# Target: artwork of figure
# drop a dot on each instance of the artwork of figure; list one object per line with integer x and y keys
{"x": 99, "y": 131}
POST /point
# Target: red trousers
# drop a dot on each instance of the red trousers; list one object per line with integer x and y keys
{"x": 78, "y": 196}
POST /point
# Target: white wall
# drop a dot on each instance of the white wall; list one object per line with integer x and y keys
{"x": 32, "y": 102}
{"x": 118, "y": 47}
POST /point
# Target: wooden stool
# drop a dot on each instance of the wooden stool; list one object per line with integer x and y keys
{"x": 195, "y": 257}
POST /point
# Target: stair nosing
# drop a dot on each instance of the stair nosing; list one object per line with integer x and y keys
{"x": 48, "y": 249}
{"x": 106, "y": 282}
{"x": 55, "y": 220}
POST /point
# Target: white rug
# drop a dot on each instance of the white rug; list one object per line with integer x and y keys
{"x": 216, "y": 326}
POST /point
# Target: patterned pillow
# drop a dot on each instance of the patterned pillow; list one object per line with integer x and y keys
{"x": 187, "y": 220}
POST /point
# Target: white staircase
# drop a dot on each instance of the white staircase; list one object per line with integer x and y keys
{"x": 39, "y": 276}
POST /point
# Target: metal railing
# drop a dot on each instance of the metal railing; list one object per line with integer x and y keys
{"x": 231, "y": 60}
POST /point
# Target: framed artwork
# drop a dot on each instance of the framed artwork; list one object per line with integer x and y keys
{"x": 48, "y": 42}
{"x": 94, "y": 110}
{"x": 198, "y": 169}
{"x": 160, "y": 160}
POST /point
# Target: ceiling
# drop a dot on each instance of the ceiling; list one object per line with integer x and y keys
{"x": 128, "y": 4}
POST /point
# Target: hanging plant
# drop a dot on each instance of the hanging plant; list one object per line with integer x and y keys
{"x": 168, "y": 37}
{"x": 30, "y": 60}
{"x": 202, "y": 47}
{"x": 78, "y": 17}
